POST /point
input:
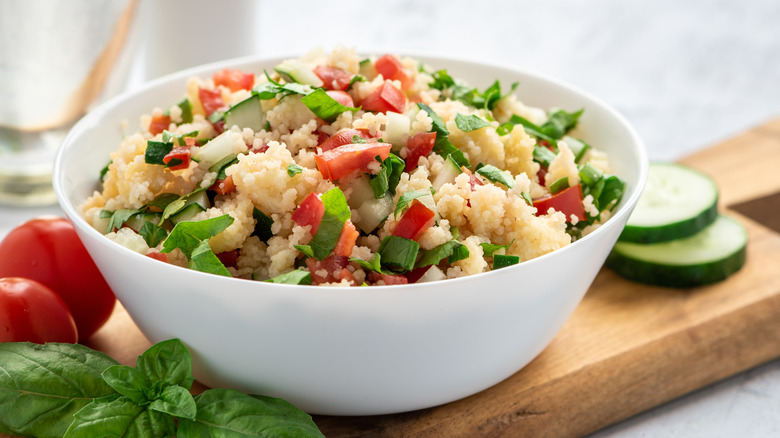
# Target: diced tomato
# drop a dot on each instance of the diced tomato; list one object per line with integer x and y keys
{"x": 345, "y": 137}
{"x": 346, "y": 240}
{"x": 415, "y": 221}
{"x": 158, "y": 256}
{"x": 343, "y": 160}
{"x": 385, "y": 98}
{"x": 223, "y": 186}
{"x": 389, "y": 279}
{"x": 229, "y": 258}
{"x": 333, "y": 77}
{"x": 327, "y": 270}
{"x": 179, "y": 153}
{"x": 309, "y": 212}
{"x": 234, "y": 80}
{"x": 542, "y": 174}
{"x": 159, "y": 123}
{"x": 211, "y": 100}
{"x": 219, "y": 126}
{"x": 345, "y": 274}
{"x": 261, "y": 149}
{"x": 415, "y": 274}
{"x": 190, "y": 141}
{"x": 419, "y": 145}
{"x": 341, "y": 97}
{"x": 391, "y": 68}
{"x": 567, "y": 201}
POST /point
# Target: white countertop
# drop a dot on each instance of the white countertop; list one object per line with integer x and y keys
{"x": 685, "y": 74}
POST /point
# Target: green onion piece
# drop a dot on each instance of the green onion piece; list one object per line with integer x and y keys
{"x": 496, "y": 175}
{"x": 298, "y": 276}
{"x": 589, "y": 175}
{"x": 543, "y": 156}
{"x": 502, "y": 261}
{"x": 577, "y": 147}
{"x": 398, "y": 253}
{"x": 263, "y": 225}
{"x": 559, "y": 185}
{"x": 471, "y": 122}
{"x": 527, "y": 197}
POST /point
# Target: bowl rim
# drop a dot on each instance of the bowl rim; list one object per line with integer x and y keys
{"x": 95, "y": 115}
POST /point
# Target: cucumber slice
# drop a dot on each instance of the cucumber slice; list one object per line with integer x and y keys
{"x": 293, "y": 70}
{"x": 708, "y": 256}
{"x": 677, "y": 202}
{"x": 447, "y": 175}
{"x": 225, "y": 144}
{"x": 373, "y": 212}
{"x": 186, "y": 213}
{"x": 246, "y": 114}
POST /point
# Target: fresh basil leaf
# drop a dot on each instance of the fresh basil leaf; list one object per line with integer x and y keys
{"x": 294, "y": 169}
{"x": 612, "y": 193}
{"x": 175, "y": 400}
{"x": 168, "y": 362}
{"x": 471, "y": 122}
{"x": 458, "y": 253}
{"x": 227, "y": 412}
{"x": 489, "y": 248}
{"x": 306, "y": 250}
{"x": 119, "y": 417}
{"x": 559, "y": 184}
{"x": 375, "y": 264}
{"x": 128, "y": 382}
{"x": 161, "y": 201}
{"x": 333, "y": 219}
{"x": 502, "y": 261}
{"x": 272, "y": 89}
{"x": 559, "y": 122}
{"x": 408, "y": 197}
{"x": 118, "y": 218}
{"x": 104, "y": 171}
{"x": 42, "y": 386}
{"x": 398, "y": 253}
{"x": 324, "y": 106}
{"x": 388, "y": 177}
{"x": 527, "y": 198}
{"x": 439, "y": 127}
{"x": 298, "y": 276}
{"x": 444, "y": 147}
{"x": 496, "y": 175}
{"x": 441, "y": 80}
{"x": 203, "y": 259}
{"x": 156, "y": 151}
{"x": 187, "y": 235}
{"x": 152, "y": 234}
{"x": 434, "y": 255}
{"x": 356, "y": 78}
{"x": 263, "y": 225}
{"x": 543, "y": 156}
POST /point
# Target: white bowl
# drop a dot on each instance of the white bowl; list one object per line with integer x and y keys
{"x": 358, "y": 351}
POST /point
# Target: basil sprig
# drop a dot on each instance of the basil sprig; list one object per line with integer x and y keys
{"x": 192, "y": 238}
{"x": 69, "y": 390}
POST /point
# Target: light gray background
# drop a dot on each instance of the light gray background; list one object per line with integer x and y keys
{"x": 685, "y": 74}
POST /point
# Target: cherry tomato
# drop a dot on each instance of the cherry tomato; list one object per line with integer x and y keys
{"x": 234, "y": 80}
{"x": 210, "y": 99}
{"x": 347, "y": 239}
{"x": 334, "y": 78}
{"x": 419, "y": 145}
{"x": 310, "y": 212}
{"x": 391, "y": 68}
{"x": 48, "y": 251}
{"x": 341, "y": 97}
{"x": 343, "y": 137}
{"x": 159, "y": 124}
{"x": 385, "y": 98}
{"x": 343, "y": 160}
{"x": 567, "y": 201}
{"x": 31, "y": 312}
{"x": 415, "y": 221}
{"x": 180, "y": 153}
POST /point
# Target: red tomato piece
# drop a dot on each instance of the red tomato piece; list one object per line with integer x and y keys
{"x": 415, "y": 274}
{"x": 567, "y": 201}
{"x": 211, "y": 100}
{"x": 181, "y": 153}
{"x": 343, "y": 160}
{"x": 158, "y": 256}
{"x": 341, "y": 97}
{"x": 223, "y": 186}
{"x": 229, "y": 258}
{"x": 31, "y": 312}
{"x": 190, "y": 141}
{"x": 415, "y": 221}
{"x": 309, "y": 212}
{"x": 159, "y": 123}
{"x": 48, "y": 250}
{"x": 234, "y": 80}
{"x": 343, "y": 137}
{"x": 385, "y": 98}
{"x": 346, "y": 275}
{"x": 541, "y": 174}
{"x": 333, "y": 77}
{"x": 389, "y": 279}
{"x": 419, "y": 145}
{"x": 347, "y": 239}
{"x": 391, "y": 68}
{"x": 327, "y": 270}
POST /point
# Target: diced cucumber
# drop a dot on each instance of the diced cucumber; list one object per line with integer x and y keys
{"x": 447, "y": 174}
{"x": 397, "y": 129}
{"x": 138, "y": 220}
{"x": 367, "y": 69}
{"x": 432, "y": 274}
{"x": 246, "y": 114}
{"x": 677, "y": 202}
{"x": 228, "y": 143}
{"x": 360, "y": 191}
{"x": 373, "y": 212}
{"x": 708, "y": 256}
{"x": 293, "y": 70}
{"x": 186, "y": 213}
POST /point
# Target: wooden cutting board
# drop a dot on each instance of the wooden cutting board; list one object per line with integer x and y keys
{"x": 627, "y": 347}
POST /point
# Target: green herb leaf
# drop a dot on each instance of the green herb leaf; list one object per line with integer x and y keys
{"x": 305, "y": 249}
{"x": 186, "y": 111}
{"x": 168, "y": 362}
{"x": 408, "y": 197}
{"x": 263, "y": 225}
{"x": 203, "y": 259}
{"x": 559, "y": 184}
{"x": 458, "y": 253}
{"x": 527, "y": 198}
{"x": 298, "y": 276}
{"x": 543, "y": 156}
{"x": 439, "y": 127}
{"x": 152, "y": 234}
{"x": 294, "y": 169}
{"x": 161, "y": 201}
{"x": 118, "y": 218}
{"x": 220, "y": 166}
{"x": 471, "y": 122}
{"x": 443, "y": 146}
{"x": 42, "y": 386}
{"x": 227, "y": 412}
{"x": 156, "y": 151}
{"x": 333, "y": 219}
{"x": 128, "y": 382}
{"x": 324, "y": 106}
{"x": 188, "y": 235}
{"x": 434, "y": 255}
{"x": 496, "y": 175}
{"x": 375, "y": 264}
{"x": 559, "y": 122}
{"x": 502, "y": 261}
{"x": 398, "y": 253}
{"x": 489, "y": 248}
{"x": 388, "y": 177}
{"x": 356, "y": 139}
{"x": 104, "y": 171}
{"x": 119, "y": 417}
{"x": 175, "y": 400}
{"x": 612, "y": 193}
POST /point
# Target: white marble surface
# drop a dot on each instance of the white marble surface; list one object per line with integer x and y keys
{"x": 686, "y": 74}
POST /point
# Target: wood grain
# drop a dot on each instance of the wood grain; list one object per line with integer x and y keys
{"x": 627, "y": 347}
